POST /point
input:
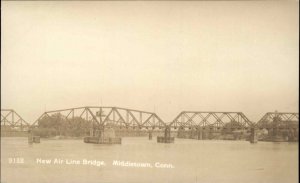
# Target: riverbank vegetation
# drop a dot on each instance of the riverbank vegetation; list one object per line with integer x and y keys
{"x": 59, "y": 125}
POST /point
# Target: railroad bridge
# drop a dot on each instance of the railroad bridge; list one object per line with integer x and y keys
{"x": 92, "y": 120}
{"x": 96, "y": 118}
{"x": 211, "y": 120}
{"x": 281, "y": 126}
{"x": 11, "y": 119}
{"x": 12, "y": 124}
{"x": 108, "y": 116}
{"x": 283, "y": 120}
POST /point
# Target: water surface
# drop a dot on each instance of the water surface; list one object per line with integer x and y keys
{"x": 204, "y": 161}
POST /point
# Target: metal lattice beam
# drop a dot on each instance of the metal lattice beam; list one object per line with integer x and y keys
{"x": 279, "y": 119}
{"x": 12, "y": 119}
{"x": 199, "y": 119}
{"x": 109, "y": 116}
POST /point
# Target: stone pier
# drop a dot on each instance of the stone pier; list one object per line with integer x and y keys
{"x": 103, "y": 136}
{"x": 199, "y": 134}
{"x": 253, "y": 136}
{"x": 150, "y": 135}
{"x": 32, "y": 138}
{"x": 167, "y": 137}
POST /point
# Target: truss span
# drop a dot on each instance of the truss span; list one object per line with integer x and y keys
{"x": 212, "y": 120}
{"x": 10, "y": 118}
{"x": 108, "y": 116}
{"x": 279, "y": 120}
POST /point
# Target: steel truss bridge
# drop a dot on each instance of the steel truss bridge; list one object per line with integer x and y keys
{"x": 109, "y": 116}
{"x": 281, "y": 120}
{"x": 11, "y": 119}
{"x": 211, "y": 120}
{"x": 137, "y": 119}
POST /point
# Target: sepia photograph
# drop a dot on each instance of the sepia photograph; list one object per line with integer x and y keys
{"x": 149, "y": 91}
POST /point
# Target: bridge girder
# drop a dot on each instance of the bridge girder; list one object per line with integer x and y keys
{"x": 279, "y": 119}
{"x": 109, "y": 116}
{"x": 199, "y": 119}
{"x": 11, "y": 118}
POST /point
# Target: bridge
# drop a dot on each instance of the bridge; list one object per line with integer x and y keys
{"x": 281, "y": 126}
{"x": 211, "y": 120}
{"x": 96, "y": 118}
{"x": 12, "y": 120}
{"x": 278, "y": 120}
{"x": 108, "y": 116}
{"x": 137, "y": 119}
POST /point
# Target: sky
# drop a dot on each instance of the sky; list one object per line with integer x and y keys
{"x": 163, "y": 56}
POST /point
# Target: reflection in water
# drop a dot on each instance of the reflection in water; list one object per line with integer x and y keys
{"x": 192, "y": 161}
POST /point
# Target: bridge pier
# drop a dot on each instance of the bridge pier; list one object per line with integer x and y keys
{"x": 32, "y": 138}
{"x": 103, "y": 136}
{"x": 30, "y": 141}
{"x": 167, "y": 136}
{"x": 91, "y": 132}
{"x": 150, "y": 135}
{"x": 199, "y": 134}
{"x": 253, "y": 136}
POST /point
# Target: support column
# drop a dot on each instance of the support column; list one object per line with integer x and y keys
{"x": 167, "y": 136}
{"x": 199, "y": 133}
{"x": 30, "y": 136}
{"x": 167, "y": 133}
{"x": 150, "y": 135}
{"x": 91, "y": 132}
{"x": 253, "y": 136}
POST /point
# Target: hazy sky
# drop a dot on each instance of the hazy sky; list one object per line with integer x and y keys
{"x": 155, "y": 56}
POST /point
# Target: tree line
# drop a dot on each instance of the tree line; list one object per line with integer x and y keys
{"x": 58, "y": 125}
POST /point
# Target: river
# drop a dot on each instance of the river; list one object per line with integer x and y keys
{"x": 185, "y": 161}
